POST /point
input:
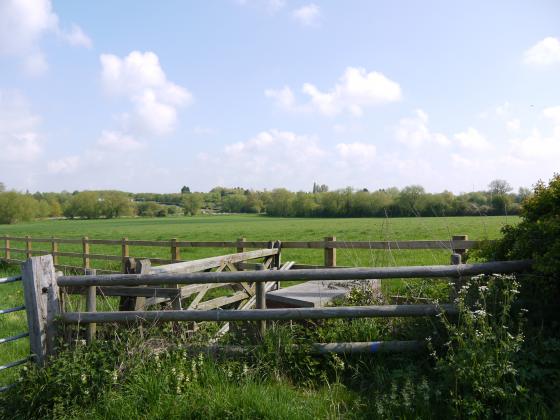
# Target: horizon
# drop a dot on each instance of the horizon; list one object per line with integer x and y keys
{"x": 142, "y": 97}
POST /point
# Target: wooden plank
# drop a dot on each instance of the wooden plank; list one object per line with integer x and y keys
{"x": 212, "y": 262}
{"x": 394, "y": 245}
{"x": 374, "y": 311}
{"x": 222, "y": 301}
{"x": 41, "y": 296}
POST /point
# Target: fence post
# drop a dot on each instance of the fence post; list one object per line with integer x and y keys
{"x": 124, "y": 253}
{"x": 28, "y": 247}
{"x": 85, "y": 252}
{"x": 8, "y": 254}
{"x": 175, "y": 252}
{"x": 91, "y": 305}
{"x": 457, "y": 281}
{"x": 240, "y": 248}
{"x": 42, "y": 304}
{"x": 260, "y": 293}
{"x": 462, "y": 252}
{"x": 54, "y": 251}
{"x": 330, "y": 253}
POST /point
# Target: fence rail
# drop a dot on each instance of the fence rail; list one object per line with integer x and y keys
{"x": 4, "y": 340}
{"x": 458, "y": 243}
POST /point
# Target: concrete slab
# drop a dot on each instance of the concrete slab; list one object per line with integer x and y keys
{"x": 314, "y": 294}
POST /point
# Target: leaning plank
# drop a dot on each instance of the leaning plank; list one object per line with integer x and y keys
{"x": 222, "y": 301}
{"x": 212, "y": 262}
{"x": 262, "y": 314}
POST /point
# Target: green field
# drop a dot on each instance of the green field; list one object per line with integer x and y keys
{"x": 224, "y": 228}
{"x": 253, "y": 227}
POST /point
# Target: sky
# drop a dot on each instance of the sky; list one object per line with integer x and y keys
{"x": 150, "y": 96}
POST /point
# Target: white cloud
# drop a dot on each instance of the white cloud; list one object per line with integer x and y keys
{"x": 140, "y": 78}
{"x": 544, "y": 52}
{"x": 22, "y": 25}
{"x": 77, "y": 37}
{"x": 19, "y": 136}
{"x": 307, "y": 15}
{"x": 282, "y": 155}
{"x": 553, "y": 113}
{"x": 356, "y": 89}
{"x": 414, "y": 132}
{"x": 513, "y": 124}
{"x": 361, "y": 154}
{"x": 284, "y": 97}
{"x": 118, "y": 142}
{"x": 472, "y": 139}
{"x": 65, "y": 165}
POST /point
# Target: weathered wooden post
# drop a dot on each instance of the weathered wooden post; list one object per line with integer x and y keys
{"x": 461, "y": 251}
{"x": 42, "y": 304}
{"x": 330, "y": 252}
{"x": 54, "y": 251}
{"x": 91, "y": 306}
{"x": 175, "y": 251}
{"x": 124, "y": 253}
{"x": 28, "y": 247}
{"x": 457, "y": 281}
{"x": 85, "y": 252}
{"x": 134, "y": 303}
{"x": 240, "y": 248}
{"x": 260, "y": 293}
{"x": 8, "y": 254}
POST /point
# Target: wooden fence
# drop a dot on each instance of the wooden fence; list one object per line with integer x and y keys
{"x": 457, "y": 244}
{"x": 43, "y": 305}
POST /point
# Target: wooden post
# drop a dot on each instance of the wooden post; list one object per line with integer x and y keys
{"x": 462, "y": 252}
{"x": 28, "y": 247}
{"x": 456, "y": 260}
{"x": 175, "y": 252}
{"x": 124, "y": 253}
{"x": 240, "y": 248}
{"x": 85, "y": 252}
{"x": 127, "y": 303}
{"x": 8, "y": 253}
{"x": 91, "y": 305}
{"x": 42, "y": 304}
{"x": 54, "y": 251}
{"x": 330, "y": 253}
{"x": 260, "y": 294}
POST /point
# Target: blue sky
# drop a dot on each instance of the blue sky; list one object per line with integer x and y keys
{"x": 150, "y": 96}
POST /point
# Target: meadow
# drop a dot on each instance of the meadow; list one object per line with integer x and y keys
{"x": 230, "y": 227}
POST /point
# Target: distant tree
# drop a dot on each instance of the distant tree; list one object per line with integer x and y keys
{"x": 185, "y": 190}
{"x": 115, "y": 204}
{"x": 410, "y": 198}
{"x": 192, "y": 203}
{"x": 523, "y": 193}
{"x": 2, "y": 187}
{"x": 16, "y": 207}
{"x": 499, "y": 186}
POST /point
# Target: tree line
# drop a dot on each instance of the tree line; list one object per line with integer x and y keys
{"x": 412, "y": 200}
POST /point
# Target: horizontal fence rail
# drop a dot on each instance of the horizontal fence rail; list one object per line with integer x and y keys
{"x": 10, "y": 310}
{"x": 10, "y": 279}
{"x": 14, "y": 337}
{"x": 497, "y": 267}
{"x": 260, "y": 314}
{"x": 458, "y": 243}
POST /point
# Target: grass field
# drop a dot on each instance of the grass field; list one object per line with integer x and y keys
{"x": 223, "y": 228}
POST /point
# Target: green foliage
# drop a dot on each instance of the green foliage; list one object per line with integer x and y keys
{"x": 16, "y": 207}
{"x": 536, "y": 237}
